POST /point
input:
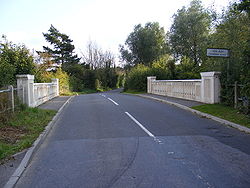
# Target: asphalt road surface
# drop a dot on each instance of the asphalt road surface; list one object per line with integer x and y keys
{"x": 111, "y": 140}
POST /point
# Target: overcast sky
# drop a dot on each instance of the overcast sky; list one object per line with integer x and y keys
{"x": 107, "y": 22}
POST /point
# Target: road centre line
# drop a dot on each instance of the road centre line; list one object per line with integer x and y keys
{"x": 113, "y": 101}
{"x": 142, "y": 127}
{"x": 102, "y": 95}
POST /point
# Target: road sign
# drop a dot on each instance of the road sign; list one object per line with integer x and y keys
{"x": 217, "y": 52}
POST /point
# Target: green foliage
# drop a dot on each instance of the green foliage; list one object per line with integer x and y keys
{"x": 76, "y": 74}
{"x": 233, "y": 32}
{"x": 22, "y": 130}
{"x": 120, "y": 81}
{"x": 89, "y": 77}
{"x": 64, "y": 80}
{"x": 187, "y": 69}
{"x": 225, "y": 112}
{"x": 7, "y": 72}
{"x": 14, "y": 59}
{"x": 189, "y": 32}
{"x": 144, "y": 44}
{"x": 137, "y": 78}
{"x": 98, "y": 86}
{"x": 244, "y": 5}
{"x": 63, "y": 49}
{"x": 107, "y": 77}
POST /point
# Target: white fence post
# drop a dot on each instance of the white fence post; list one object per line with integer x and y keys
{"x": 11, "y": 90}
{"x": 26, "y": 82}
{"x": 210, "y": 87}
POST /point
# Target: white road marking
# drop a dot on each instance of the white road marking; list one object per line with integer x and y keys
{"x": 113, "y": 101}
{"x": 143, "y": 128}
{"x": 102, "y": 95}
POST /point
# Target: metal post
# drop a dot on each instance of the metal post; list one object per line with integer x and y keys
{"x": 235, "y": 95}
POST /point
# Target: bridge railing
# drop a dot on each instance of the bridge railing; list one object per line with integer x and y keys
{"x": 37, "y": 93}
{"x": 206, "y": 89}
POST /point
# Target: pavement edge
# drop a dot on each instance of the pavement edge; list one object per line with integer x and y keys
{"x": 220, "y": 120}
{"x": 30, "y": 152}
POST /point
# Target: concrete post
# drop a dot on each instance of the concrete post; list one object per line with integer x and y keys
{"x": 11, "y": 97}
{"x": 26, "y": 83}
{"x": 56, "y": 82}
{"x": 150, "y": 79}
{"x": 210, "y": 87}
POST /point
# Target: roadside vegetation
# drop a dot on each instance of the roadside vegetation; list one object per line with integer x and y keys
{"x": 180, "y": 53}
{"x": 225, "y": 112}
{"x": 149, "y": 50}
{"x": 21, "y": 129}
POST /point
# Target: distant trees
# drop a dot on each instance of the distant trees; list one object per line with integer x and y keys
{"x": 144, "y": 45}
{"x": 96, "y": 58}
{"x": 102, "y": 63}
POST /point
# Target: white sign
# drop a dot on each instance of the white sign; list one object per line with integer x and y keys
{"x": 213, "y": 52}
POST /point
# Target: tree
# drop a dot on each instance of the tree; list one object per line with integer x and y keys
{"x": 189, "y": 32}
{"x": 14, "y": 59}
{"x": 244, "y": 5}
{"x": 233, "y": 32}
{"x": 144, "y": 44}
{"x": 62, "y": 50}
{"x": 96, "y": 58}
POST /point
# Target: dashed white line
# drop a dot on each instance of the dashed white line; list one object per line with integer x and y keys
{"x": 102, "y": 95}
{"x": 143, "y": 128}
{"x": 113, "y": 101}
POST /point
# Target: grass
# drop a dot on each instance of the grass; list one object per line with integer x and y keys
{"x": 22, "y": 129}
{"x": 134, "y": 92}
{"x": 225, "y": 112}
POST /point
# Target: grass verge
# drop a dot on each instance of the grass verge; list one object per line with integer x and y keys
{"x": 22, "y": 129}
{"x": 134, "y": 92}
{"x": 225, "y": 112}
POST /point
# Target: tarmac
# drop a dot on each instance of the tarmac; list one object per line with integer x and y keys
{"x": 187, "y": 104}
{"x": 9, "y": 167}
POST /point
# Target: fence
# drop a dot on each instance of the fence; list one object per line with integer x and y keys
{"x": 36, "y": 93}
{"x": 206, "y": 89}
{"x": 9, "y": 100}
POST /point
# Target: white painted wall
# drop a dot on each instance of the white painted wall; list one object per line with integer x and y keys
{"x": 206, "y": 89}
{"x": 37, "y": 93}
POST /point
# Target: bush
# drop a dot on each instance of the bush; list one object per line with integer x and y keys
{"x": 64, "y": 80}
{"x": 98, "y": 86}
{"x": 14, "y": 59}
{"x": 137, "y": 78}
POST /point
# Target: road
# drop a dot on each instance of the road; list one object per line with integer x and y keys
{"x": 112, "y": 140}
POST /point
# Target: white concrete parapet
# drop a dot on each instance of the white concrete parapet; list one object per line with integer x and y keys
{"x": 36, "y": 93}
{"x": 205, "y": 90}
{"x": 210, "y": 83}
{"x": 150, "y": 80}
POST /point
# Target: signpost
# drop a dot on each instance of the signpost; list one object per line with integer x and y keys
{"x": 217, "y": 52}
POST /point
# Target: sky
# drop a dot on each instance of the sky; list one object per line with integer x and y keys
{"x": 106, "y": 22}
